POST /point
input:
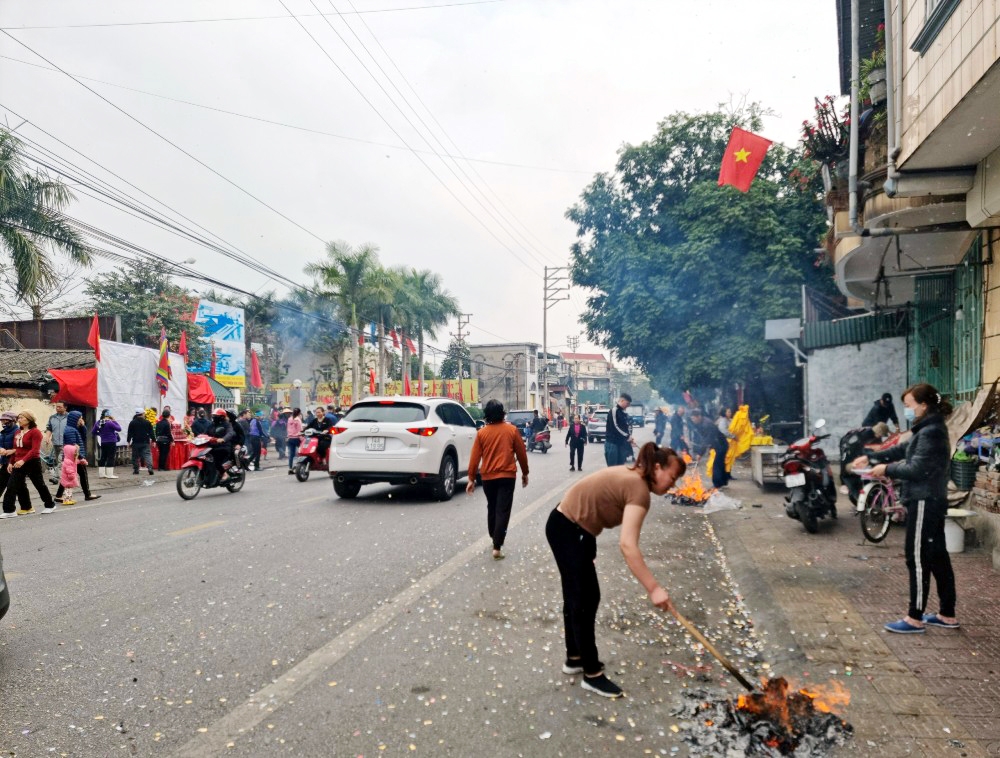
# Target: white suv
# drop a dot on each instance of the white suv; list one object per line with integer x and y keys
{"x": 402, "y": 440}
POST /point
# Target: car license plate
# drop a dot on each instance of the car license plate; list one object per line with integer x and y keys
{"x": 377, "y": 444}
{"x": 795, "y": 480}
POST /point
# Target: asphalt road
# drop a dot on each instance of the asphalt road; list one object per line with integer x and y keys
{"x": 283, "y": 620}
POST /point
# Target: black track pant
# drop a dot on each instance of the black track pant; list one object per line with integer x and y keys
{"x": 19, "y": 478}
{"x": 22, "y": 496}
{"x": 576, "y": 448}
{"x": 163, "y": 455}
{"x": 575, "y": 549}
{"x": 927, "y": 556}
{"x": 499, "y": 501}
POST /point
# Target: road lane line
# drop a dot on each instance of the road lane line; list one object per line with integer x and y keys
{"x": 196, "y": 528}
{"x": 250, "y": 713}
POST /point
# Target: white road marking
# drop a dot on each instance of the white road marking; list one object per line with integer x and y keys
{"x": 247, "y": 715}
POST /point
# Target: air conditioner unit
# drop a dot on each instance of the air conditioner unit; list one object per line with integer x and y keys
{"x": 982, "y": 203}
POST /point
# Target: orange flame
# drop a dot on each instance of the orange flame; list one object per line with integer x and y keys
{"x": 829, "y": 698}
{"x": 778, "y": 704}
{"x": 692, "y": 486}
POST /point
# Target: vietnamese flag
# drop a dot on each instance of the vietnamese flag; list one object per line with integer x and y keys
{"x": 94, "y": 338}
{"x": 371, "y": 381}
{"x": 182, "y": 346}
{"x": 256, "y": 380}
{"x": 406, "y": 384}
{"x": 742, "y": 160}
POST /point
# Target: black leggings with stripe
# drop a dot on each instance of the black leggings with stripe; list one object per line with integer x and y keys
{"x": 927, "y": 556}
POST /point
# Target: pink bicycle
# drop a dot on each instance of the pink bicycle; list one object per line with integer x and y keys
{"x": 878, "y": 507}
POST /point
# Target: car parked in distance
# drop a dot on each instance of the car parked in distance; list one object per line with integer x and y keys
{"x": 597, "y": 426}
{"x": 401, "y": 440}
{"x": 650, "y": 418}
{"x": 521, "y": 418}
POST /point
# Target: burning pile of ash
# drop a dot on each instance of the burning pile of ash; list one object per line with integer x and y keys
{"x": 772, "y": 722}
{"x": 691, "y": 490}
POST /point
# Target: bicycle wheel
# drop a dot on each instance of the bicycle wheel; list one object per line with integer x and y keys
{"x": 875, "y": 519}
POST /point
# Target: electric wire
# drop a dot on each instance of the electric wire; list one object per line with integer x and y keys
{"x": 166, "y": 139}
{"x": 395, "y": 131}
{"x": 300, "y": 128}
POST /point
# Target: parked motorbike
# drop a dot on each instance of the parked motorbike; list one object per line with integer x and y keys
{"x": 308, "y": 457}
{"x": 812, "y": 492}
{"x": 196, "y": 475}
{"x": 541, "y": 442}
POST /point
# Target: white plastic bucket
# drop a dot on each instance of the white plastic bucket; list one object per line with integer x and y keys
{"x": 954, "y": 536}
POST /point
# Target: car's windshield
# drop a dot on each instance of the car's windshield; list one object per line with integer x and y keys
{"x": 518, "y": 418}
{"x": 386, "y": 413}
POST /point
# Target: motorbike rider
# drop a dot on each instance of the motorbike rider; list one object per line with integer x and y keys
{"x": 322, "y": 425}
{"x": 223, "y": 436}
{"x": 538, "y": 424}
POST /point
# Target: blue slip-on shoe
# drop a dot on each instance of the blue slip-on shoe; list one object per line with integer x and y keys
{"x": 903, "y": 627}
{"x": 934, "y": 620}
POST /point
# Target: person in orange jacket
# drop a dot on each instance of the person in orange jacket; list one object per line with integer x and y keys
{"x": 497, "y": 451}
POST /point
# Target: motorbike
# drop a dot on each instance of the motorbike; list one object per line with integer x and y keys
{"x": 812, "y": 492}
{"x": 195, "y": 475}
{"x": 308, "y": 457}
{"x": 541, "y": 442}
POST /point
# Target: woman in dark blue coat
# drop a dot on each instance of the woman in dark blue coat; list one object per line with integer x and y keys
{"x": 922, "y": 464}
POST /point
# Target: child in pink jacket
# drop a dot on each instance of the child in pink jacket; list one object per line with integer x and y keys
{"x": 69, "y": 477}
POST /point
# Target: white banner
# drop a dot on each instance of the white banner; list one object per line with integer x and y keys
{"x": 126, "y": 380}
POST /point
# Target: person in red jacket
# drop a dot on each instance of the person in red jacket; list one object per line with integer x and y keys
{"x": 24, "y": 463}
{"x": 499, "y": 447}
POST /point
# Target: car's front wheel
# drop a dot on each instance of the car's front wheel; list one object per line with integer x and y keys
{"x": 445, "y": 487}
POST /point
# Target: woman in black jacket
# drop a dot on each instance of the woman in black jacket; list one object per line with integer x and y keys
{"x": 922, "y": 464}
{"x": 576, "y": 438}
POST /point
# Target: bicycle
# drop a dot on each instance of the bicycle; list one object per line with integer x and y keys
{"x": 878, "y": 506}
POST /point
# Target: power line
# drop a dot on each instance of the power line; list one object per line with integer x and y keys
{"x": 249, "y": 18}
{"x": 300, "y": 128}
{"x": 165, "y": 139}
{"x": 403, "y": 140}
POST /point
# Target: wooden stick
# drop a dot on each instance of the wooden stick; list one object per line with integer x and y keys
{"x": 711, "y": 648}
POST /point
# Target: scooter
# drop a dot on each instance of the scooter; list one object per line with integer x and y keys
{"x": 812, "y": 492}
{"x": 308, "y": 457}
{"x": 541, "y": 442}
{"x": 196, "y": 475}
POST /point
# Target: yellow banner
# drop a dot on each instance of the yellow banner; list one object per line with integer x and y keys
{"x": 466, "y": 391}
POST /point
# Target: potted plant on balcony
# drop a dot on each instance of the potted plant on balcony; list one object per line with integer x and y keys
{"x": 872, "y": 84}
{"x": 826, "y": 140}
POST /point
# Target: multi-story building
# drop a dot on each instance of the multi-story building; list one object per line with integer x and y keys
{"x": 591, "y": 377}
{"x": 508, "y": 372}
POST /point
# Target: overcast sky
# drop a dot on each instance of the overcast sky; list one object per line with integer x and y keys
{"x": 538, "y": 94}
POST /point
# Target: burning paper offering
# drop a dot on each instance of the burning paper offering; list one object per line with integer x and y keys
{"x": 690, "y": 490}
{"x": 770, "y": 722}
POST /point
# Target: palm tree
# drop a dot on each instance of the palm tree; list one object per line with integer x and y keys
{"x": 433, "y": 306}
{"x": 383, "y": 286}
{"x": 30, "y": 222}
{"x": 349, "y": 273}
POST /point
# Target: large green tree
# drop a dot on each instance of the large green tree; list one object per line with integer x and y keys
{"x": 683, "y": 273}
{"x": 145, "y": 299}
{"x": 31, "y": 226}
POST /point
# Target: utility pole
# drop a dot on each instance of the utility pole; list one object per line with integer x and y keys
{"x": 556, "y": 282}
{"x": 459, "y": 335}
{"x": 574, "y": 343}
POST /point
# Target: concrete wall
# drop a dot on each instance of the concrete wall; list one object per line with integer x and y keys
{"x": 843, "y": 382}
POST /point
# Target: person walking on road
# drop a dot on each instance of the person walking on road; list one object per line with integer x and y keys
{"x": 615, "y": 496}
{"x": 255, "y": 439}
{"x": 618, "y": 433}
{"x": 69, "y": 478}
{"x": 164, "y": 438}
{"x": 8, "y": 429}
{"x": 76, "y": 434}
{"x": 54, "y": 429}
{"x": 140, "y": 436}
{"x": 293, "y": 437}
{"x": 922, "y": 464}
{"x": 499, "y": 448}
{"x": 106, "y": 430}
{"x": 279, "y": 432}
{"x": 576, "y": 438}
{"x": 25, "y": 463}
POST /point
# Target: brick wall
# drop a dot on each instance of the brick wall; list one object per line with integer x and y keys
{"x": 844, "y": 381}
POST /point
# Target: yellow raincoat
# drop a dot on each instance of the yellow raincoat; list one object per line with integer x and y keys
{"x": 741, "y": 431}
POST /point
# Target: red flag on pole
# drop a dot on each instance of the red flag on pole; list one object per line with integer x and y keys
{"x": 94, "y": 338}
{"x": 211, "y": 366}
{"x": 163, "y": 373}
{"x": 742, "y": 160}
{"x": 406, "y": 384}
{"x": 182, "y": 346}
{"x": 256, "y": 380}
{"x": 395, "y": 338}
{"x": 410, "y": 346}
{"x": 371, "y": 381}
{"x": 361, "y": 339}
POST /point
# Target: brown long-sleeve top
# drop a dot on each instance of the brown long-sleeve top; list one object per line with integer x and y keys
{"x": 497, "y": 451}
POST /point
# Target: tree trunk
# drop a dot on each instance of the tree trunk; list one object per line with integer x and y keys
{"x": 404, "y": 367}
{"x": 420, "y": 361}
{"x": 381, "y": 356}
{"x": 355, "y": 356}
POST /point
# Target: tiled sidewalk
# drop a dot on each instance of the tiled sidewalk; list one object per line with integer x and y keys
{"x": 822, "y": 601}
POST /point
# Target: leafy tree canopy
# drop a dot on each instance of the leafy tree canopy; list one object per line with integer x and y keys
{"x": 146, "y": 299}
{"x": 449, "y": 366}
{"x": 683, "y": 273}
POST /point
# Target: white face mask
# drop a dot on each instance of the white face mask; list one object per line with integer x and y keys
{"x": 910, "y": 414}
